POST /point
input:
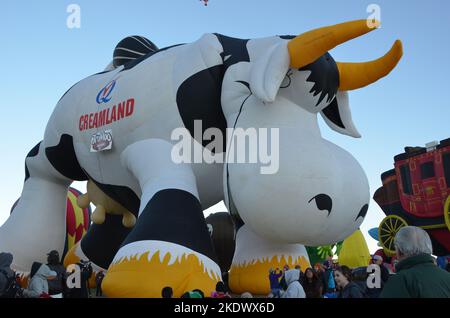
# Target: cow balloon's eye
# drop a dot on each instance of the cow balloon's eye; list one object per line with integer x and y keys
{"x": 323, "y": 202}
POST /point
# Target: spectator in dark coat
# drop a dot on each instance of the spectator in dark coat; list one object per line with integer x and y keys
{"x": 283, "y": 284}
{"x": 167, "y": 292}
{"x": 417, "y": 276}
{"x": 6, "y": 273}
{"x": 220, "y": 291}
{"x": 98, "y": 281}
{"x": 302, "y": 275}
{"x": 85, "y": 272}
{"x": 347, "y": 288}
{"x": 312, "y": 284}
{"x": 57, "y": 286}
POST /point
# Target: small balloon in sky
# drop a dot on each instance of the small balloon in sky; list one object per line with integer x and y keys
{"x": 205, "y": 2}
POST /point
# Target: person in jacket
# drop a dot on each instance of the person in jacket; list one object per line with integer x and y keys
{"x": 274, "y": 280}
{"x": 347, "y": 288}
{"x": 98, "y": 281}
{"x": 375, "y": 291}
{"x": 302, "y": 275}
{"x": 378, "y": 260}
{"x": 294, "y": 289}
{"x": 283, "y": 284}
{"x": 6, "y": 273}
{"x": 38, "y": 285}
{"x": 85, "y": 272}
{"x": 328, "y": 279}
{"x": 312, "y": 285}
{"x": 57, "y": 286}
{"x": 416, "y": 276}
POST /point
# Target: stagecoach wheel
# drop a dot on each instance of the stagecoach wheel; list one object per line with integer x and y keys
{"x": 447, "y": 212}
{"x": 387, "y": 230}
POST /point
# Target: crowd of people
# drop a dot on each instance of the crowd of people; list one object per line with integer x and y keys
{"x": 416, "y": 275}
{"x": 51, "y": 280}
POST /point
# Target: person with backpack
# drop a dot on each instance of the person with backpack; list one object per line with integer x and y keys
{"x": 328, "y": 280}
{"x": 57, "y": 286}
{"x": 8, "y": 284}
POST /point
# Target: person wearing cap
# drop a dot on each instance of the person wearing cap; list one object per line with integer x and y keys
{"x": 417, "y": 276}
{"x": 57, "y": 286}
{"x": 38, "y": 285}
{"x": 374, "y": 292}
{"x": 378, "y": 260}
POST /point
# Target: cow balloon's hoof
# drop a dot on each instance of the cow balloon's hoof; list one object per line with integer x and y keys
{"x": 253, "y": 277}
{"x": 255, "y": 256}
{"x": 143, "y": 268}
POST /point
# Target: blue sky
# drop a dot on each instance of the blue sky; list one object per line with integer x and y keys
{"x": 41, "y": 58}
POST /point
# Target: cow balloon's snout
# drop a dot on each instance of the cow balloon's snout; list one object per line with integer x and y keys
{"x": 319, "y": 195}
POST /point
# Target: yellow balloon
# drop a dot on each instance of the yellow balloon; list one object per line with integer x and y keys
{"x": 354, "y": 252}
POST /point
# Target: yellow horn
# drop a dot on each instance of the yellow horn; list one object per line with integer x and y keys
{"x": 357, "y": 75}
{"x": 308, "y": 47}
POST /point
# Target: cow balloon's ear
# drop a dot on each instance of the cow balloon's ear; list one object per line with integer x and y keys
{"x": 268, "y": 71}
{"x": 338, "y": 116}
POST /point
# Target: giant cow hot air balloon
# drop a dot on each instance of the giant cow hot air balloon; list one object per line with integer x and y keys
{"x": 116, "y": 130}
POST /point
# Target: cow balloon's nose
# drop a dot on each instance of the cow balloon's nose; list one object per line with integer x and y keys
{"x": 362, "y": 213}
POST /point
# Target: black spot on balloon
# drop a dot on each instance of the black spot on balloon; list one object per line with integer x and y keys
{"x": 362, "y": 213}
{"x": 323, "y": 202}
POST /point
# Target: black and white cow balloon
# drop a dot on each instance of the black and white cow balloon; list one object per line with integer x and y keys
{"x": 116, "y": 129}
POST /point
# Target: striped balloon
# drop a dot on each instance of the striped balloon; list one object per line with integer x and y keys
{"x": 77, "y": 220}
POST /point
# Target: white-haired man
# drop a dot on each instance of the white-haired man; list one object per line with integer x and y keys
{"x": 417, "y": 275}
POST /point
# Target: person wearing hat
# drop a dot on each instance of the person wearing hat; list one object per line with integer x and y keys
{"x": 374, "y": 292}
{"x": 57, "y": 286}
{"x": 38, "y": 285}
{"x": 378, "y": 260}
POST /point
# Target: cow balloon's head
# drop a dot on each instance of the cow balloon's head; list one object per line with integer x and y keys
{"x": 320, "y": 193}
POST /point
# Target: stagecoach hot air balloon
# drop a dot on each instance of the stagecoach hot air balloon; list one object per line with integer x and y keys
{"x": 417, "y": 192}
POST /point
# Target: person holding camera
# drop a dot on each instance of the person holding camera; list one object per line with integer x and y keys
{"x": 85, "y": 272}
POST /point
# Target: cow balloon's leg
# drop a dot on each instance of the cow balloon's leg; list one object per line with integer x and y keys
{"x": 170, "y": 244}
{"x": 37, "y": 224}
{"x": 254, "y": 256}
{"x": 99, "y": 245}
